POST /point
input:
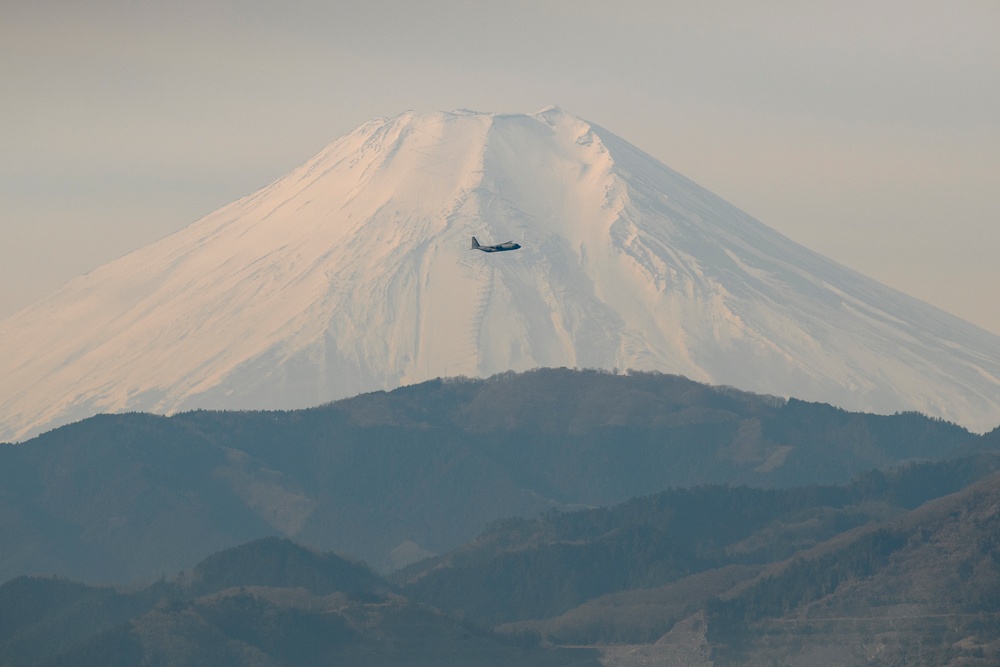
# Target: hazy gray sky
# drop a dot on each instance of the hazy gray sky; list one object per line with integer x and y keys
{"x": 867, "y": 131}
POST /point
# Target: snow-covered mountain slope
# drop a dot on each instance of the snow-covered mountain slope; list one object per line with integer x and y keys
{"x": 354, "y": 272}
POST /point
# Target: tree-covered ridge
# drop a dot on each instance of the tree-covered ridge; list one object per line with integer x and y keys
{"x": 385, "y": 477}
{"x": 795, "y": 575}
{"x": 925, "y": 587}
{"x": 269, "y": 602}
{"x": 554, "y": 563}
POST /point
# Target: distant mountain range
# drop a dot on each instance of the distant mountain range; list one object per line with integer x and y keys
{"x": 391, "y": 478}
{"x": 893, "y": 568}
{"x": 354, "y": 273}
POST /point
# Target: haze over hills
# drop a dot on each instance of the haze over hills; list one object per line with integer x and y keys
{"x": 353, "y": 273}
{"x": 895, "y": 568}
{"x": 269, "y": 603}
{"x": 392, "y": 477}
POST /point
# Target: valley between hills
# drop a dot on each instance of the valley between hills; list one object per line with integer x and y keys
{"x": 553, "y": 517}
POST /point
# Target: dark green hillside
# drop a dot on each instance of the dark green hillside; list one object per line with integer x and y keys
{"x": 866, "y": 573}
{"x": 547, "y": 566}
{"x": 389, "y": 477}
{"x": 925, "y": 588}
{"x": 287, "y": 606}
{"x": 280, "y": 563}
{"x": 40, "y": 617}
{"x": 118, "y": 497}
{"x": 542, "y": 568}
{"x": 556, "y": 428}
{"x": 259, "y": 627}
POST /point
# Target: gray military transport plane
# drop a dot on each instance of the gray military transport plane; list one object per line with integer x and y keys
{"x": 509, "y": 245}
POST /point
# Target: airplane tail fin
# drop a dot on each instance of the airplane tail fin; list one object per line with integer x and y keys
{"x": 475, "y": 243}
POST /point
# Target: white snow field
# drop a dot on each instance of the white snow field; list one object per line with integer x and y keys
{"x": 354, "y": 273}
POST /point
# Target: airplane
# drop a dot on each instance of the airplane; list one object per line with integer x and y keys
{"x": 509, "y": 245}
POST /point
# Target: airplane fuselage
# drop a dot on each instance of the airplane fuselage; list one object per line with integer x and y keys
{"x": 500, "y": 247}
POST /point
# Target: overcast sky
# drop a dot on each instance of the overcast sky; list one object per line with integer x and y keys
{"x": 867, "y": 131}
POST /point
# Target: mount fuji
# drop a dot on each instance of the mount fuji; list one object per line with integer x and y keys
{"x": 354, "y": 273}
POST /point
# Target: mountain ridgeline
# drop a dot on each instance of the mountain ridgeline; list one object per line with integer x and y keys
{"x": 552, "y": 564}
{"x": 353, "y": 273}
{"x": 390, "y": 478}
{"x": 270, "y": 603}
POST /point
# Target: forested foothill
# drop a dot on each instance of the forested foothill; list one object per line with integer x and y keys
{"x": 270, "y": 602}
{"x": 389, "y": 478}
{"x": 883, "y": 571}
{"x": 552, "y": 517}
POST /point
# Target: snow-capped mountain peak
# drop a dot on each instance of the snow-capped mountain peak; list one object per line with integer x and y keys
{"x": 353, "y": 272}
